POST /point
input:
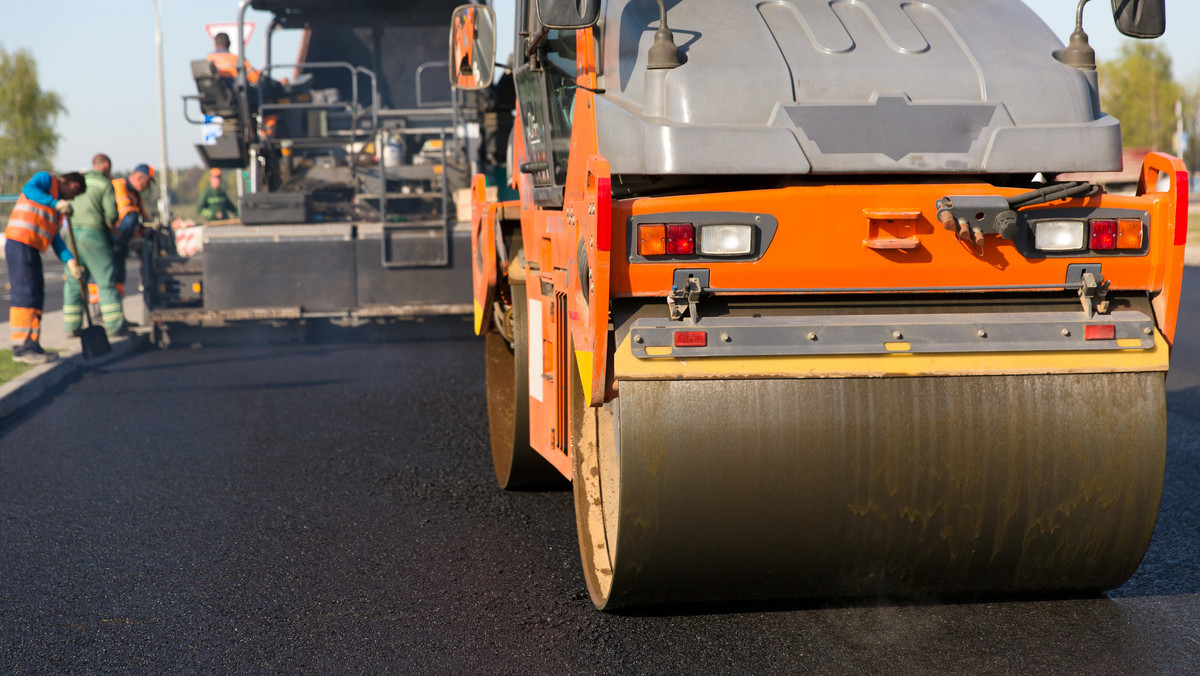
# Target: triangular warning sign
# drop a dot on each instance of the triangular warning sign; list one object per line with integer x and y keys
{"x": 230, "y": 29}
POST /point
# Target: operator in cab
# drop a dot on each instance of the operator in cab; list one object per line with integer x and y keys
{"x": 226, "y": 61}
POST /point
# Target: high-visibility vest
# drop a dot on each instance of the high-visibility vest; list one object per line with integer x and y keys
{"x": 32, "y": 223}
{"x": 226, "y": 63}
{"x": 128, "y": 199}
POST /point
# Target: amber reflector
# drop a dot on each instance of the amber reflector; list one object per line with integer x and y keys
{"x": 652, "y": 239}
{"x": 1129, "y": 234}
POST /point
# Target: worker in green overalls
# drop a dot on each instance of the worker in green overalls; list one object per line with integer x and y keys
{"x": 214, "y": 204}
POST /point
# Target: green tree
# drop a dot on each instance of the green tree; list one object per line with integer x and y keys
{"x": 1138, "y": 89}
{"x": 28, "y": 139}
{"x": 1191, "y": 124}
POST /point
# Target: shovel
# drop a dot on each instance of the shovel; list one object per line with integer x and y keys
{"x": 93, "y": 339}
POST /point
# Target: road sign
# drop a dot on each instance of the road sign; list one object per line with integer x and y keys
{"x": 230, "y": 29}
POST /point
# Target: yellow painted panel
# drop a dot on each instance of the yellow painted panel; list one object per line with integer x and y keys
{"x": 584, "y": 361}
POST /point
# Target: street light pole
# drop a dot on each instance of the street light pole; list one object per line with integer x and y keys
{"x": 164, "y": 181}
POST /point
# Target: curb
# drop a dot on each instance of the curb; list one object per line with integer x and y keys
{"x": 29, "y": 386}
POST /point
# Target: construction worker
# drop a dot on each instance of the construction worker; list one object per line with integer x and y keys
{"x": 32, "y": 228}
{"x": 214, "y": 203}
{"x": 95, "y": 215}
{"x": 226, "y": 61}
{"x": 131, "y": 214}
{"x": 103, "y": 164}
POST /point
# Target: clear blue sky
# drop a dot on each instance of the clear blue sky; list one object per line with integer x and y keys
{"x": 100, "y": 57}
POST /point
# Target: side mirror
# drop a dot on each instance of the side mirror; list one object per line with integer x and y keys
{"x": 472, "y": 47}
{"x": 1140, "y": 18}
{"x": 568, "y": 14}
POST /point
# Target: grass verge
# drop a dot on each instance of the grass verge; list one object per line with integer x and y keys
{"x": 10, "y": 369}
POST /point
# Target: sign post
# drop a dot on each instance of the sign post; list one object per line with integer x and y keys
{"x": 164, "y": 179}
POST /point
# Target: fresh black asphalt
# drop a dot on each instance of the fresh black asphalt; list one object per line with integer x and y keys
{"x": 331, "y": 509}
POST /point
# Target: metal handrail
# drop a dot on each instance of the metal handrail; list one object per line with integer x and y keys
{"x": 421, "y": 69}
{"x": 318, "y": 64}
{"x": 186, "y": 116}
{"x": 374, "y": 94}
{"x": 353, "y": 105}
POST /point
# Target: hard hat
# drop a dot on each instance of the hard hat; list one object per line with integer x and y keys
{"x": 145, "y": 169}
{"x": 215, "y": 172}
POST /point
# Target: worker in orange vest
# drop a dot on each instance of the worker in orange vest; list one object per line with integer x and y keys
{"x": 32, "y": 228}
{"x": 131, "y": 214}
{"x": 226, "y": 61}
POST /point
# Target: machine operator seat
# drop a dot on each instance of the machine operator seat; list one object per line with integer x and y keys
{"x": 216, "y": 93}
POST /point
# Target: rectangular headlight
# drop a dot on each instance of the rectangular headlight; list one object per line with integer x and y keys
{"x": 1058, "y": 235}
{"x": 726, "y": 240}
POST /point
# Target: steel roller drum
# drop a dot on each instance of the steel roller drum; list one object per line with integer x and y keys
{"x": 787, "y": 488}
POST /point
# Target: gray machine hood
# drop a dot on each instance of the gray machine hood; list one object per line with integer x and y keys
{"x": 846, "y": 86}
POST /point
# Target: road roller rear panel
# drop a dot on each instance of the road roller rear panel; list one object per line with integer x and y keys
{"x": 811, "y": 312}
{"x": 884, "y": 238}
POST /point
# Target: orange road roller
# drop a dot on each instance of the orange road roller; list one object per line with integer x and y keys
{"x": 801, "y": 299}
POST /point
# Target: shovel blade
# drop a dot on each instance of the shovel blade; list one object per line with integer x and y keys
{"x": 94, "y": 342}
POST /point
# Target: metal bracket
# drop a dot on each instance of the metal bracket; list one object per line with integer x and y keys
{"x": 686, "y": 289}
{"x": 971, "y": 217}
{"x": 1092, "y": 294}
{"x": 1093, "y": 288}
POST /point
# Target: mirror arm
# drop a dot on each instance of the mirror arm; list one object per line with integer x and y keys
{"x": 535, "y": 43}
{"x": 1079, "y": 54}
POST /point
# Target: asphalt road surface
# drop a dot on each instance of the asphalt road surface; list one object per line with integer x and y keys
{"x": 331, "y": 509}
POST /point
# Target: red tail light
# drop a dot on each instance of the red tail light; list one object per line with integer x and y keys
{"x": 681, "y": 239}
{"x": 1099, "y": 332}
{"x": 691, "y": 338}
{"x": 1104, "y": 235}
